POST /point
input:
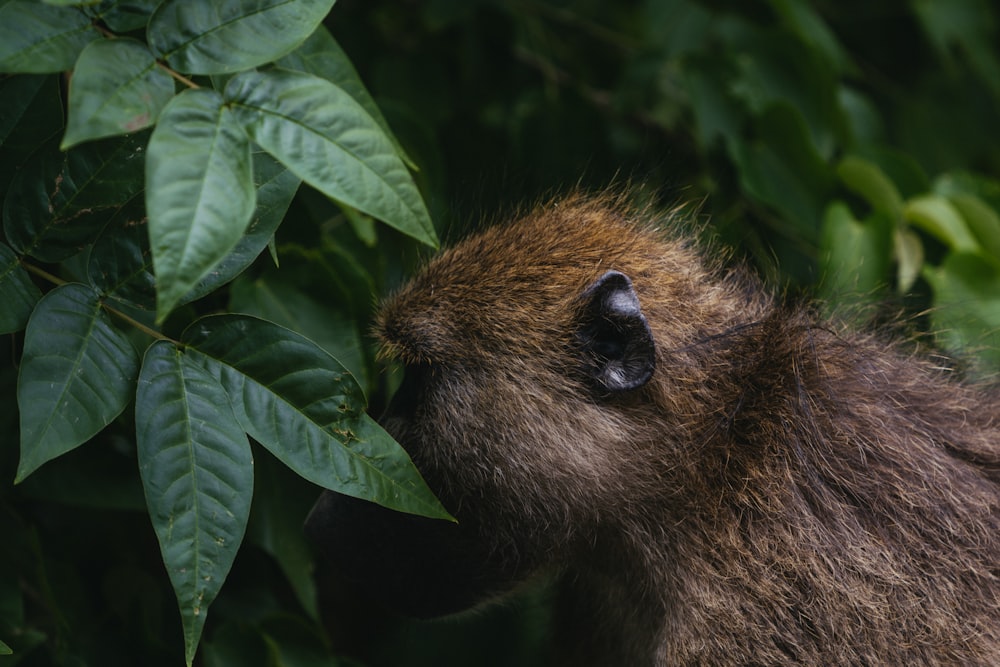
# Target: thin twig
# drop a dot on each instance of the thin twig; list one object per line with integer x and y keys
{"x": 42, "y": 273}
{"x": 138, "y": 325}
{"x": 56, "y": 280}
{"x": 180, "y": 77}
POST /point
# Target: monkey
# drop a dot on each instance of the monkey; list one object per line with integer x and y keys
{"x": 714, "y": 474}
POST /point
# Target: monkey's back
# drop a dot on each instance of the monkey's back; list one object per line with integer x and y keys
{"x": 856, "y": 516}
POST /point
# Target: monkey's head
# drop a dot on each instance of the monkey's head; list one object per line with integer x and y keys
{"x": 546, "y": 363}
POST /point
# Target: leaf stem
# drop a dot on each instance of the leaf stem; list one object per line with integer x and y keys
{"x": 56, "y": 280}
{"x": 138, "y": 325}
{"x": 104, "y": 31}
{"x": 42, "y": 273}
{"x": 180, "y": 77}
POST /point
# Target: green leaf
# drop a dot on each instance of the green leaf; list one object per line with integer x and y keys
{"x": 322, "y": 56}
{"x": 199, "y": 192}
{"x": 983, "y": 221}
{"x": 120, "y": 263}
{"x": 276, "y": 187}
{"x": 292, "y": 642}
{"x": 779, "y": 69}
{"x": 717, "y": 115}
{"x": 904, "y": 173}
{"x": 280, "y": 302}
{"x": 344, "y": 275}
{"x": 77, "y": 374}
{"x": 30, "y": 116}
{"x": 782, "y": 168}
{"x": 866, "y": 179}
{"x": 40, "y": 38}
{"x": 322, "y": 134}
{"x": 117, "y": 88}
{"x": 854, "y": 255}
{"x": 231, "y": 35}
{"x": 306, "y": 409}
{"x": 363, "y": 226}
{"x": 197, "y": 473}
{"x": 17, "y": 293}
{"x": 963, "y": 28}
{"x": 813, "y": 30}
{"x": 59, "y": 202}
{"x": 965, "y": 182}
{"x": 128, "y": 15}
{"x": 864, "y": 121}
{"x": 20, "y": 94}
{"x": 936, "y": 216}
{"x": 966, "y": 312}
{"x": 4, "y": 649}
{"x": 909, "y": 251}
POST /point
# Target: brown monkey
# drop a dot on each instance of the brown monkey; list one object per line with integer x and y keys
{"x": 716, "y": 477}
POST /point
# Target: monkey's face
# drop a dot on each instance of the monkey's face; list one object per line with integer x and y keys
{"x": 525, "y": 356}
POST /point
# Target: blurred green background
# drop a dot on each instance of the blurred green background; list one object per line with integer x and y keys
{"x": 847, "y": 148}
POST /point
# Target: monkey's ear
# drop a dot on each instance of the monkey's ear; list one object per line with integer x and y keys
{"x": 617, "y": 342}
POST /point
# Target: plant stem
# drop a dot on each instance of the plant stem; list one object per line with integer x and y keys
{"x": 56, "y": 280}
{"x": 180, "y": 77}
{"x": 42, "y": 273}
{"x": 137, "y": 324}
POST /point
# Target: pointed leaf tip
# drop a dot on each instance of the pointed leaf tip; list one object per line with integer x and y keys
{"x": 327, "y": 138}
{"x": 197, "y": 474}
{"x": 306, "y": 409}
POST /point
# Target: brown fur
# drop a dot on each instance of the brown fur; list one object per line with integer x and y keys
{"x": 782, "y": 491}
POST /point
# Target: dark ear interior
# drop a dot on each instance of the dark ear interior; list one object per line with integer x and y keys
{"x": 618, "y": 345}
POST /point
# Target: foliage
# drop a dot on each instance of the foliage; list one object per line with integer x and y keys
{"x": 843, "y": 146}
{"x": 123, "y": 226}
{"x": 847, "y": 149}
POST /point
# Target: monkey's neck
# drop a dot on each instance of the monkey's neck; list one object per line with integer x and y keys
{"x": 603, "y": 616}
{"x": 733, "y": 403}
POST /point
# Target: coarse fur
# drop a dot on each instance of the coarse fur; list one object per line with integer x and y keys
{"x": 780, "y": 491}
